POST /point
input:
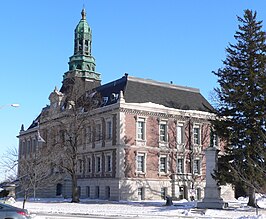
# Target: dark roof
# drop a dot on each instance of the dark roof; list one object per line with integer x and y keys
{"x": 137, "y": 90}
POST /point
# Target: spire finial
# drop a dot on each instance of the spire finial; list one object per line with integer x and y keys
{"x": 83, "y": 13}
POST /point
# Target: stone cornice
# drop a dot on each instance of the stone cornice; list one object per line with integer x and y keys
{"x": 91, "y": 113}
{"x": 150, "y": 109}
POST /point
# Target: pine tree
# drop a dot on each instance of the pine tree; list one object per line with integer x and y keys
{"x": 242, "y": 108}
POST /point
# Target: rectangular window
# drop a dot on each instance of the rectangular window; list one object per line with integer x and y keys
{"x": 196, "y": 135}
{"x": 98, "y": 132}
{"x": 98, "y": 165}
{"x": 20, "y": 149}
{"x": 108, "y": 165}
{"x": 89, "y": 170}
{"x": 163, "y": 165}
{"x": 34, "y": 145}
{"x": 89, "y": 134}
{"x": 28, "y": 147}
{"x": 141, "y": 163}
{"x": 88, "y": 191}
{"x": 163, "y": 192}
{"x": 80, "y": 45}
{"x": 196, "y": 166}
{"x": 109, "y": 130}
{"x": 24, "y": 148}
{"x": 97, "y": 192}
{"x": 163, "y": 132}
{"x": 80, "y": 166}
{"x": 107, "y": 192}
{"x": 141, "y": 193}
{"x": 180, "y": 165}
{"x": 180, "y": 134}
{"x": 141, "y": 129}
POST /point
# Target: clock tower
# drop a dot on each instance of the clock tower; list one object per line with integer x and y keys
{"x": 82, "y": 67}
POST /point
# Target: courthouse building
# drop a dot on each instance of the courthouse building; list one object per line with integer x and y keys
{"x": 144, "y": 140}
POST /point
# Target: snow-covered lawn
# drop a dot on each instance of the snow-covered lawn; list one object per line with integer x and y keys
{"x": 145, "y": 209}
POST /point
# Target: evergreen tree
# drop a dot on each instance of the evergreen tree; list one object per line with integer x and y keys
{"x": 242, "y": 108}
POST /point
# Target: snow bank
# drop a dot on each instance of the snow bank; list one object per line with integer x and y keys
{"x": 145, "y": 209}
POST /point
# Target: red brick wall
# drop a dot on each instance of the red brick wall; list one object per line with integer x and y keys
{"x": 153, "y": 150}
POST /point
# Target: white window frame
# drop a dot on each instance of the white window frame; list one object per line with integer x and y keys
{"x": 180, "y": 134}
{"x": 141, "y": 130}
{"x": 163, "y": 137}
{"x": 196, "y": 135}
{"x": 165, "y": 171}
{"x": 143, "y": 166}
{"x": 197, "y": 167}
{"x": 182, "y": 165}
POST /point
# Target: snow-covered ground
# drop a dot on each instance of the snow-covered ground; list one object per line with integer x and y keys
{"x": 145, "y": 209}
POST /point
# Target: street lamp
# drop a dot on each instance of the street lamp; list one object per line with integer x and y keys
{"x": 13, "y": 105}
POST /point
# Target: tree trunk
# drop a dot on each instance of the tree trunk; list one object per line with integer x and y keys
{"x": 251, "y": 197}
{"x": 75, "y": 190}
{"x": 24, "y": 199}
{"x": 34, "y": 192}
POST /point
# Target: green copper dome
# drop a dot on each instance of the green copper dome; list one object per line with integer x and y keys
{"x": 83, "y": 26}
{"x": 82, "y": 60}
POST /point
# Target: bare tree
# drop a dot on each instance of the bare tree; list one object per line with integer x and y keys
{"x": 35, "y": 172}
{"x": 71, "y": 126}
{"x": 9, "y": 164}
{"x": 32, "y": 172}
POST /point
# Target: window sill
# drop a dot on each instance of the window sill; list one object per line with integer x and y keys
{"x": 163, "y": 143}
{"x": 140, "y": 142}
{"x": 140, "y": 174}
{"x": 163, "y": 173}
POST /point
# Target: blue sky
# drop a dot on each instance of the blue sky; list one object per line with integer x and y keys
{"x": 165, "y": 40}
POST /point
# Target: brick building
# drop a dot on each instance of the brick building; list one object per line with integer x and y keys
{"x": 144, "y": 140}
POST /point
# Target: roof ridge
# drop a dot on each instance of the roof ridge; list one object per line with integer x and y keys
{"x": 164, "y": 84}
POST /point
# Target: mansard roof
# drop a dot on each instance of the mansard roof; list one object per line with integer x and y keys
{"x": 138, "y": 90}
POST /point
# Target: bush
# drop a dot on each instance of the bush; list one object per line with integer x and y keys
{"x": 4, "y": 193}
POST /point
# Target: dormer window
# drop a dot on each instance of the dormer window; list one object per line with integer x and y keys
{"x": 105, "y": 100}
{"x": 114, "y": 96}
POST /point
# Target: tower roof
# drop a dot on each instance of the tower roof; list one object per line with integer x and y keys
{"x": 82, "y": 64}
{"x": 83, "y": 26}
